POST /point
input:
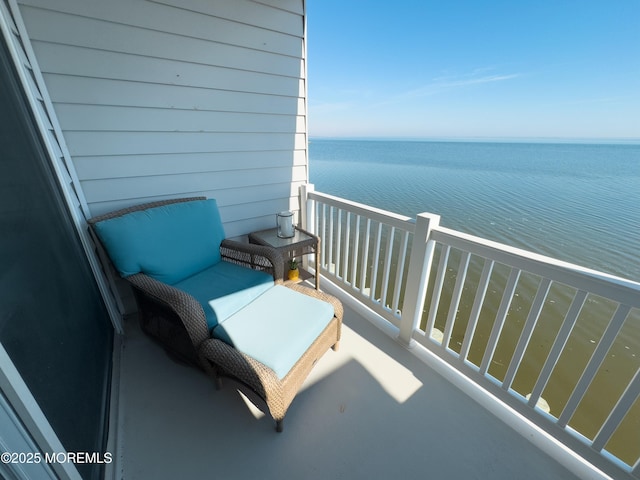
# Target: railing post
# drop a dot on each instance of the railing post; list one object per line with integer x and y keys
{"x": 306, "y": 208}
{"x": 307, "y": 222}
{"x": 422, "y": 250}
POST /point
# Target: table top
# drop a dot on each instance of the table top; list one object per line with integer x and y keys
{"x": 270, "y": 237}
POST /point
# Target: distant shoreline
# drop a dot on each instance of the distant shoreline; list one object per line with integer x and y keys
{"x": 545, "y": 140}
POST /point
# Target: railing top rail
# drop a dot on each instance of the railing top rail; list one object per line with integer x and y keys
{"x": 619, "y": 289}
{"x": 393, "y": 219}
{"x": 610, "y": 286}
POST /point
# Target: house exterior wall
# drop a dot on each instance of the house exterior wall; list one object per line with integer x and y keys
{"x": 171, "y": 98}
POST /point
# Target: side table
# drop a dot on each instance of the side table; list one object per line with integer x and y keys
{"x": 302, "y": 243}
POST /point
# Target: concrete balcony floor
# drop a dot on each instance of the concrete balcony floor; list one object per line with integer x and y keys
{"x": 371, "y": 410}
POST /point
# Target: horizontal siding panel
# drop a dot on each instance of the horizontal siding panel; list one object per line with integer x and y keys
{"x": 256, "y": 210}
{"x": 100, "y": 64}
{"x": 252, "y": 194}
{"x": 131, "y": 188}
{"x": 131, "y": 143}
{"x": 264, "y": 208}
{"x": 107, "y": 118}
{"x": 243, "y": 227}
{"x": 293, "y": 6}
{"x": 242, "y": 219}
{"x": 240, "y": 224}
{"x": 96, "y": 91}
{"x": 239, "y": 229}
{"x": 244, "y": 11}
{"x": 101, "y": 167}
{"x": 224, "y": 197}
{"x": 164, "y": 18}
{"x": 100, "y": 35}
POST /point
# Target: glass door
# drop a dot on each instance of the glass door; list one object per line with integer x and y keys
{"x": 53, "y": 322}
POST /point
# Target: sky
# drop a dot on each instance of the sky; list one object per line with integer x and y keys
{"x": 474, "y": 69}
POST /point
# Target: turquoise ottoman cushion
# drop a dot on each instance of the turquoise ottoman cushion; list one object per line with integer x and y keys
{"x": 277, "y": 327}
{"x": 225, "y": 288}
{"x": 168, "y": 243}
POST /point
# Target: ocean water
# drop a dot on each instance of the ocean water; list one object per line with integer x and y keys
{"x": 574, "y": 202}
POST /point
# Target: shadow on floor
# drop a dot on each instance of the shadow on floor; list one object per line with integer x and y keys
{"x": 371, "y": 410}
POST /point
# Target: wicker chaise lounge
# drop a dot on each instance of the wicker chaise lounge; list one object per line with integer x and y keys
{"x": 218, "y": 304}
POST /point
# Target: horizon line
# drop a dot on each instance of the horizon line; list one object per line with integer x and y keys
{"x": 482, "y": 139}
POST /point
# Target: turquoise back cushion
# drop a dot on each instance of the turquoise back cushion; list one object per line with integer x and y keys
{"x": 168, "y": 243}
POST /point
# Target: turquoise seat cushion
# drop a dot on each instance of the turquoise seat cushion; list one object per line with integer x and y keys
{"x": 277, "y": 327}
{"x": 168, "y": 243}
{"x": 225, "y": 288}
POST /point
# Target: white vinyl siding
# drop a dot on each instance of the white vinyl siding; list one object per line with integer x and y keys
{"x": 171, "y": 98}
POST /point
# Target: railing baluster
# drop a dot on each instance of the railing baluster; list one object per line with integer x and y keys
{"x": 501, "y": 316}
{"x": 314, "y": 219}
{"x": 628, "y": 398}
{"x": 346, "y": 274}
{"x": 329, "y": 257}
{"x": 527, "y": 331}
{"x": 478, "y": 301}
{"x": 402, "y": 255}
{"x": 387, "y": 267}
{"x": 596, "y": 360}
{"x": 323, "y": 233}
{"x": 437, "y": 289}
{"x": 455, "y": 298}
{"x": 356, "y": 247}
{"x": 558, "y": 346}
{"x": 365, "y": 255}
{"x": 376, "y": 259}
{"x": 319, "y": 218}
{"x": 336, "y": 260}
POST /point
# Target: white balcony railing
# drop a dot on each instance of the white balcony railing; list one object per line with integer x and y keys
{"x": 517, "y": 323}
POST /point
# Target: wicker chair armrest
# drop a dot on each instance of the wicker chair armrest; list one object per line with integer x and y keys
{"x": 227, "y": 361}
{"x": 257, "y": 257}
{"x": 184, "y": 305}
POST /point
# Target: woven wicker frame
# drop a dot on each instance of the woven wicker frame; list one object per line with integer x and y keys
{"x": 177, "y": 321}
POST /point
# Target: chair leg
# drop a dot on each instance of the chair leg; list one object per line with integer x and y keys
{"x": 336, "y": 346}
{"x": 211, "y": 372}
{"x": 279, "y": 426}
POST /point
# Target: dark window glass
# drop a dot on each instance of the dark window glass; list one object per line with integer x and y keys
{"x": 53, "y": 322}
